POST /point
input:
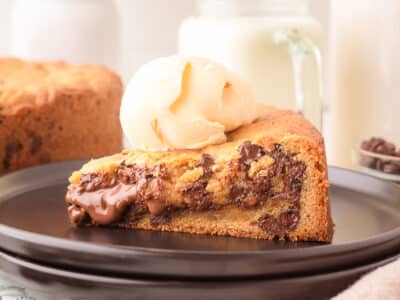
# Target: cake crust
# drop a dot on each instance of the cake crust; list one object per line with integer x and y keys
{"x": 269, "y": 180}
{"x": 53, "y": 111}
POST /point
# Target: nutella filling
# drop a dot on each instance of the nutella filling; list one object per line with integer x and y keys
{"x": 135, "y": 191}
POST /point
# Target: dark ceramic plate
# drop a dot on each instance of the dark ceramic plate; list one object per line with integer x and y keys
{"x": 34, "y": 225}
{"x": 29, "y": 280}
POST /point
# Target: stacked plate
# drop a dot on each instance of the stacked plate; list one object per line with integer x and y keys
{"x": 43, "y": 257}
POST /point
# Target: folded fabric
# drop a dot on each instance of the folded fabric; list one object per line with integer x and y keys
{"x": 383, "y": 283}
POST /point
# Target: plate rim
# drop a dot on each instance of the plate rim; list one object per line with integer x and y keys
{"x": 18, "y": 261}
{"x": 34, "y": 239}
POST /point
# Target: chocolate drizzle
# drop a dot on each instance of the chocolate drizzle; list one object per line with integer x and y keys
{"x": 134, "y": 191}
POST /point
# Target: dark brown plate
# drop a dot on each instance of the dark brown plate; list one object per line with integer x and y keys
{"x": 40, "y": 282}
{"x": 34, "y": 225}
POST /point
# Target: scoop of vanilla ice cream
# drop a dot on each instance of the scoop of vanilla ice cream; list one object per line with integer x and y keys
{"x": 184, "y": 103}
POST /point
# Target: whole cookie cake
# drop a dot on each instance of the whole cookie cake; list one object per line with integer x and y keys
{"x": 54, "y": 111}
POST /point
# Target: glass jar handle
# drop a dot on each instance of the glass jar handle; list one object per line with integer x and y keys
{"x": 300, "y": 47}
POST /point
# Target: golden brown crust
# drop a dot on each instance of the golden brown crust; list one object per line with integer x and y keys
{"x": 55, "y": 111}
{"x": 275, "y": 125}
{"x": 297, "y": 137}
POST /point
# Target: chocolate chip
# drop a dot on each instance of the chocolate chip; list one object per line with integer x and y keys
{"x": 379, "y": 165}
{"x": 149, "y": 189}
{"x": 129, "y": 174}
{"x": 391, "y": 168}
{"x": 288, "y": 169}
{"x": 369, "y": 162}
{"x": 270, "y": 224}
{"x": 206, "y": 162}
{"x": 281, "y": 161}
{"x": 375, "y": 143}
{"x": 2, "y": 117}
{"x": 291, "y": 173}
{"x": 11, "y": 149}
{"x": 94, "y": 181}
{"x": 379, "y": 145}
{"x": 133, "y": 173}
{"x": 36, "y": 142}
{"x": 239, "y": 194}
{"x": 281, "y": 225}
{"x": 365, "y": 145}
{"x": 163, "y": 219}
{"x": 245, "y": 191}
{"x": 278, "y": 148}
{"x": 196, "y": 197}
{"x": 134, "y": 213}
{"x": 248, "y": 192}
{"x": 289, "y": 219}
{"x": 294, "y": 174}
{"x": 390, "y": 148}
{"x": 250, "y": 152}
{"x": 383, "y": 149}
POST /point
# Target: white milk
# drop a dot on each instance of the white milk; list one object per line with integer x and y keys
{"x": 365, "y": 60}
{"x": 279, "y": 53}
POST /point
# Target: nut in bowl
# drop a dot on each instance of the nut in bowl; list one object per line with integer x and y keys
{"x": 379, "y": 158}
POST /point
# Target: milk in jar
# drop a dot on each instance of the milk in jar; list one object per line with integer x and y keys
{"x": 275, "y": 44}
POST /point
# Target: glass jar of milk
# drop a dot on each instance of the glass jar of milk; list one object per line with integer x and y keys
{"x": 275, "y": 44}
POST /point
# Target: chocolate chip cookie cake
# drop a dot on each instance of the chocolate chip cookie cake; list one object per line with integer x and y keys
{"x": 266, "y": 178}
{"x": 56, "y": 111}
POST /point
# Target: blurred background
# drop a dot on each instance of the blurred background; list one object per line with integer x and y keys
{"x": 336, "y": 62}
{"x": 148, "y": 28}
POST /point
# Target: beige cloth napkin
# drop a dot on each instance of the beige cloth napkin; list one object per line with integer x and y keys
{"x": 381, "y": 284}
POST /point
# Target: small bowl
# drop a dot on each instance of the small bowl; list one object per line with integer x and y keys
{"x": 383, "y": 166}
